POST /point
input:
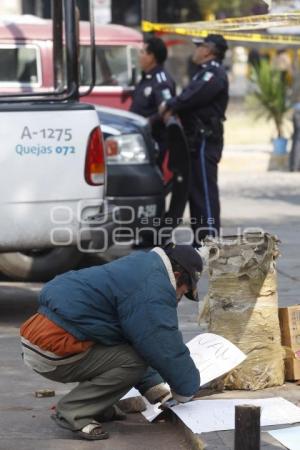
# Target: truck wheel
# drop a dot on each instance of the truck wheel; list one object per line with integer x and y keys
{"x": 39, "y": 265}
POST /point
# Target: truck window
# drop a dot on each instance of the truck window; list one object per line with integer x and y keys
{"x": 19, "y": 65}
{"x": 113, "y": 65}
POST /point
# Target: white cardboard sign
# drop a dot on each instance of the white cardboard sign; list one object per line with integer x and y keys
{"x": 204, "y": 416}
{"x": 214, "y": 356}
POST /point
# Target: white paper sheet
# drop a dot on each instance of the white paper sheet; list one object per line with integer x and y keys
{"x": 152, "y": 411}
{"x": 214, "y": 356}
{"x": 204, "y": 416}
{"x": 289, "y": 437}
{"x": 131, "y": 394}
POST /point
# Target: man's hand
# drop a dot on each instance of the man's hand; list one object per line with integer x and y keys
{"x": 168, "y": 404}
{"x": 162, "y": 108}
{"x": 166, "y": 116}
{"x": 158, "y": 394}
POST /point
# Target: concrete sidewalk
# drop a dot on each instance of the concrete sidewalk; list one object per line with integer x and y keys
{"x": 250, "y": 158}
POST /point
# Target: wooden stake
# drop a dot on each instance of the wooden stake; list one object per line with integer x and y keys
{"x": 247, "y": 427}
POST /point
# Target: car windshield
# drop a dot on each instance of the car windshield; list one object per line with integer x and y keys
{"x": 114, "y": 65}
{"x": 18, "y": 65}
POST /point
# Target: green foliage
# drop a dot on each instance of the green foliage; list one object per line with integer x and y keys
{"x": 270, "y": 94}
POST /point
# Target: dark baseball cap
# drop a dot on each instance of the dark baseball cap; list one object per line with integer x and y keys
{"x": 216, "y": 39}
{"x": 190, "y": 260}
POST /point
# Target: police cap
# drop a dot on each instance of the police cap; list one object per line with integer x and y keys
{"x": 216, "y": 39}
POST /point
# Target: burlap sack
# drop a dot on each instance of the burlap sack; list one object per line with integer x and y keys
{"x": 241, "y": 305}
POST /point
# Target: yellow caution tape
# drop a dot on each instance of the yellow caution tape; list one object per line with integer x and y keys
{"x": 263, "y": 38}
{"x": 237, "y": 23}
{"x": 256, "y": 22}
{"x": 233, "y": 29}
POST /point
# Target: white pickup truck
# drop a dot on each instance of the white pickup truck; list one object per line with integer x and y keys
{"x": 52, "y": 176}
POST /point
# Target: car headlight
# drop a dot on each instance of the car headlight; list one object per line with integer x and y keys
{"x": 126, "y": 149}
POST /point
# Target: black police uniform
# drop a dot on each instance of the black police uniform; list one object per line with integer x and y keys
{"x": 201, "y": 107}
{"x": 155, "y": 87}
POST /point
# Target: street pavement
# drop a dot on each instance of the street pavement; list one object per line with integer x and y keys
{"x": 250, "y": 197}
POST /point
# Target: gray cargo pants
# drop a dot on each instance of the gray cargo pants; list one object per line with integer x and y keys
{"x": 105, "y": 374}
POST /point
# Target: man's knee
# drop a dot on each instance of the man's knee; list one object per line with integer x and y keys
{"x": 132, "y": 359}
{"x": 134, "y": 365}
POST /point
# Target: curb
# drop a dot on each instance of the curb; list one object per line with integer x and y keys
{"x": 194, "y": 441}
{"x": 136, "y": 404}
{"x": 239, "y": 162}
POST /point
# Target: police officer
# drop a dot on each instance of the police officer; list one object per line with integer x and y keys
{"x": 155, "y": 87}
{"x": 201, "y": 107}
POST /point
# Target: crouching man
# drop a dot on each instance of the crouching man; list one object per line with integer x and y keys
{"x": 113, "y": 327}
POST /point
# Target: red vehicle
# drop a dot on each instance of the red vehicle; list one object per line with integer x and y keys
{"x": 26, "y": 60}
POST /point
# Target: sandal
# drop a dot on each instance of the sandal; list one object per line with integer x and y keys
{"x": 93, "y": 432}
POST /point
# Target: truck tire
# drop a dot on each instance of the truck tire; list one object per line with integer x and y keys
{"x": 39, "y": 265}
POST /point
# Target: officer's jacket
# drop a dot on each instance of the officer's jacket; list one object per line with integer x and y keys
{"x": 131, "y": 300}
{"x": 205, "y": 99}
{"x": 155, "y": 87}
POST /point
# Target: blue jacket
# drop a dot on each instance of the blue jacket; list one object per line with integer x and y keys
{"x": 130, "y": 300}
